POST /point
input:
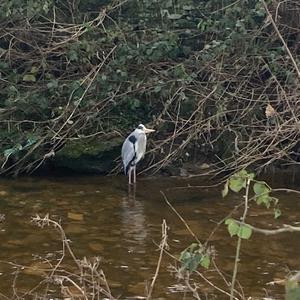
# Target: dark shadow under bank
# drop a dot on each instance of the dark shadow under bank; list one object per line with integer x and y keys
{"x": 187, "y": 175}
{"x": 97, "y": 160}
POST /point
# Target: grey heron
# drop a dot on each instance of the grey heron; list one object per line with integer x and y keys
{"x": 133, "y": 150}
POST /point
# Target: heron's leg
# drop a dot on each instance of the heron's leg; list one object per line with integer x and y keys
{"x": 129, "y": 175}
{"x": 134, "y": 174}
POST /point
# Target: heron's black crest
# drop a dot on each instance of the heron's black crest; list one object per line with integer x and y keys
{"x": 132, "y": 139}
{"x": 140, "y": 127}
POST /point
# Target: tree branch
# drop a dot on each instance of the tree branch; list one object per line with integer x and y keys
{"x": 285, "y": 228}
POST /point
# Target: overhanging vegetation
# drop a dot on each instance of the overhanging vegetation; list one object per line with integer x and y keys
{"x": 218, "y": 79}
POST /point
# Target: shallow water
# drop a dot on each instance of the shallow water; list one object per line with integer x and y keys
{"x": 101, "y": 219}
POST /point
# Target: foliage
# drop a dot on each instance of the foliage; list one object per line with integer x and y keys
{"x": 261, "y": 195}
{"x": 243, "y": 231}
{"x": 202, "y": 71}
{"x": 193, "y": 257}
{"x": 261, "y": 190}
{"x": 255, "y": 192}
{"x": 292, "y": 288}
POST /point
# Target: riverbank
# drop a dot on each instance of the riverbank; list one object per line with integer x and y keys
{"x": 219, "y": 84}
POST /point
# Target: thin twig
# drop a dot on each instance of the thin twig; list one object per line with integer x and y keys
{"x": 181, "y": 218}
{"x": 163, "y": 245}
{"x": 238, "y": 247}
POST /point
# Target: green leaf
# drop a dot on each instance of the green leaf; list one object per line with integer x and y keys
{"x": 205, "y": 261}
{"x": 260, "y": 188}
{"x": 242, "y": 173}
{"x": 184, "y": 256}
{"x": 194, "y": 262}
{"x": 262, "y": 193}
{"x": 245, "y": 232}
{"x": 134, "y": 103}
{"x": 251, "y": 176}
{"x": 186, "y": 252}
{"x": 239, "y": 180}
{"x": 292, "y": 289}
{"x": 29, "y": 78}
{"x": 233, "y": 227}
{"x": 225, "y": 190}
{"x": 192, "y": 257}
{"x": 34, "y": 70}
{"x": 174, "y": 16}
{"x": 73, "y": 55}
{"x": 189, "y": 260}
{"x": 264, "y": 199}
{"x": 236, "y": 183}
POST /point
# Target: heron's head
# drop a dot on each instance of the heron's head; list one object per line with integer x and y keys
{"x": 145, "y": 129}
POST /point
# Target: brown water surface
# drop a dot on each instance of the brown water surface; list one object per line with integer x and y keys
{"x": 101, "y": 219}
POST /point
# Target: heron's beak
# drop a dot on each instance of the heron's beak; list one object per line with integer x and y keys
{"x": 148, "y": 130}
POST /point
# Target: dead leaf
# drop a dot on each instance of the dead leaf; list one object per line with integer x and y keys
{"x": 36, "y": 269}
{"x": 96, "y": 246}
{"x": 75, "y": 216}
{"x": 270, "y": 111}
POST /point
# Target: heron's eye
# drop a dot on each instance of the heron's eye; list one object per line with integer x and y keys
{"x": 141, "y": 127}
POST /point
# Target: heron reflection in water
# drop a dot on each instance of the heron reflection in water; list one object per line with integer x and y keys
{"x": 134, "y": 224}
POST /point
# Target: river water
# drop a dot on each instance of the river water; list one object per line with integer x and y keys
{"x": 102, "y": 219}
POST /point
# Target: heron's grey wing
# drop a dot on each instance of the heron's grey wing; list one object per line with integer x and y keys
{"x": 140, "y": 146}
{"x": 128, "y": 153}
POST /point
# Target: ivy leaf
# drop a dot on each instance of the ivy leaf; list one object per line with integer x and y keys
{"x": 29, "y": 78}
{"x": 264, "y": 199}
{"x": 194, "y": 262}
{"x": 236, "y": 183}
{"x": 191, "y": 258}
{"x": 233, "y": 227}
{"x": 245, "y": 232}
{"x": 34, "y": 70}
{"x": 186, "y": 253}
{"x": 134, "y": 103}
{"x": 292, "y": 289}
{"x": 260, "y": 188}
{"x": 242, "y": 173}
{"x": 251, "y": 176}
{"x": 205, "y": 261}
{"x": 73, "y": 55}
